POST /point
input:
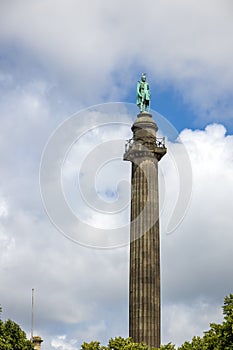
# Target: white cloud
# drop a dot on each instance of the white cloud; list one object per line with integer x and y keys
{"x": 183, "y": 321}
{"x": 60, "y": 343}
{"x": 3, "y": 208}
{"x": 185, "y": 44}
{"x": 196, "y": 258}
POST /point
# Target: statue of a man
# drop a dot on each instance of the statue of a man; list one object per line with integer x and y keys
{"x": 143, "y": 94}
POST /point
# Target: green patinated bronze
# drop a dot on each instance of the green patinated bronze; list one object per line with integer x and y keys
{"x": 143, "y": 94}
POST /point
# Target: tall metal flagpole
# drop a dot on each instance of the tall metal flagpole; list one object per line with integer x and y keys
{"x": 32, "y": 313}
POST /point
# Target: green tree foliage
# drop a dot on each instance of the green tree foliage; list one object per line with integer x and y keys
{"x": 94, "y": 345}
{"x": 128, "y": 344}
{"x": 219, "y": 336}
{"x": 196, "y": 344}
{"x": 168, "y": 346}
{"x": 120, "y": 343}
{"x": 12, "y": 337}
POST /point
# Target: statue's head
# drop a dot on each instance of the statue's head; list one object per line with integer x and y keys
{"x": 143, "y": 78}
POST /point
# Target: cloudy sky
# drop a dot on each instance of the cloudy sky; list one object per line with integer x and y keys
{"x": 63, "y": 67}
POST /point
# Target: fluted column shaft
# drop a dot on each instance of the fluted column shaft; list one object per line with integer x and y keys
{"x": 144, "y": 152}
{"x": 144, "y": 310}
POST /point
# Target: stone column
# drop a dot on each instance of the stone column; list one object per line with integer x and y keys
{"x": 144, "y": 152}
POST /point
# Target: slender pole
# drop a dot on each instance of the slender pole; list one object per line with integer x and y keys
{"x": 32, "y": 313}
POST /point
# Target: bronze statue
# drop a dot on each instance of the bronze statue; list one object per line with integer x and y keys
{"x": 143, "y": 94}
